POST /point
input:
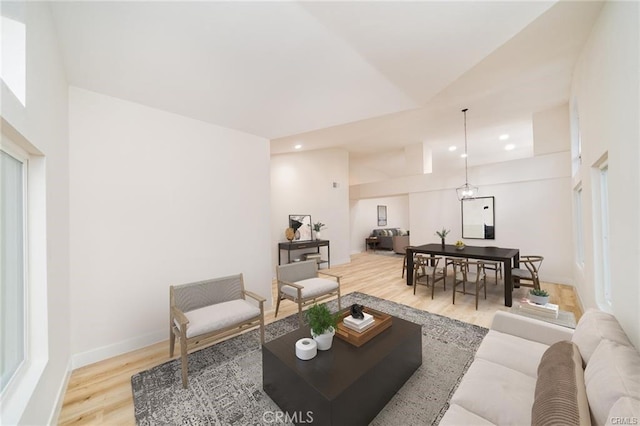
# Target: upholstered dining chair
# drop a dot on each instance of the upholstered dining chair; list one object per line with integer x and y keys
{"x": 471, "y": 272}
{"x": 426, "y": 272}
{"x": 300, "y": 282}
{"x": 204, "y": 312}
{"x": 527, "y": 276}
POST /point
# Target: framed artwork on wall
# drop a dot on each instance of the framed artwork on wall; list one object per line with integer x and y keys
{"x": 478, "y": 218}
{"x": 382, "y": 215}
{"x": 301, "y": 225}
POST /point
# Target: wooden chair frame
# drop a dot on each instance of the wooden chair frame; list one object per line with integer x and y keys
{"x": 429, "y": 267}
{"x": 206, "y": 293}
{"x": 532, "y": 265}
{"x": 463, "y": 277}
{"x": 299, "y": 300}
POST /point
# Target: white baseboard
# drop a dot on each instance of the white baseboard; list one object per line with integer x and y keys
{"x": 55, "y": 414}
{"x": 109, "y": 351}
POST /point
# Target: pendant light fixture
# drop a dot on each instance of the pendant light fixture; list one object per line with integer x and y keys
{"x": 467, "y": 190}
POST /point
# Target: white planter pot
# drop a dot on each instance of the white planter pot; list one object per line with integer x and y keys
{"x": 317, "y": 235}
{"x": 324, "y": 340}
{"x": 539, "y": 300}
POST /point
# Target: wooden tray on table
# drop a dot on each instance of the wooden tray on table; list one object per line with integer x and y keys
{"x": 382, "y": 322}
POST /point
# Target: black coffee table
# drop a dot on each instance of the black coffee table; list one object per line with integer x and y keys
{"x": 345, "y": 385}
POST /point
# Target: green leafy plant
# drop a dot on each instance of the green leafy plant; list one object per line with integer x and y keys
{"x": 443, "y": 233}
{"x": 321, "y": 319}
{"x": 318, "y": 226}
{"x": 539, "y": 292}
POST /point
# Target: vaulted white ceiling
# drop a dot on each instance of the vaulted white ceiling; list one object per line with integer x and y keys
{"x": 366, "y": 76}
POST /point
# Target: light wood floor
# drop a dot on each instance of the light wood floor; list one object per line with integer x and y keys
{"x": 101, "y": 393}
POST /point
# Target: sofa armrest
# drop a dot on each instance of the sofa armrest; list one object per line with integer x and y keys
{"x": 529, "y": 328}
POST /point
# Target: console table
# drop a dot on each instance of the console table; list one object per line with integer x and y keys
{"x": 301, "y": 245}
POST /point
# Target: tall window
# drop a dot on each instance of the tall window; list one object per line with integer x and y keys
{"x": 12, "y": 266}
{"x": 604, "y": 212}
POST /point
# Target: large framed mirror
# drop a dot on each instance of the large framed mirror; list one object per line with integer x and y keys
{"x": 301, "y": 224}
{"x": 478, "y": 218}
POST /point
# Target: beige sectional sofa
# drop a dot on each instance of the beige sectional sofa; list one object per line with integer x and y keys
{"x": 518, "y": 375}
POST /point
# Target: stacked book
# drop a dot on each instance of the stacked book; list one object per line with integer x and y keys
{"x": 359, "y": 325}
{"x": 549, "y": 310}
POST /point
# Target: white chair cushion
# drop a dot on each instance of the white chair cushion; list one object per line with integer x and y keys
{"x": 512, "y": 352}
{"x": 613, "y": 372}
{"x": 487, "y": 388}
{"x": 456, "y": 416}
{"x": 312, "y": 287}
{"x": 219, "y": 316}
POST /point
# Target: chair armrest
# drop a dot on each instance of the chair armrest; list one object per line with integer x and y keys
{"x": 179, "y": 315}
{"x": 255, "y": 296}
{"x": 529, "y": 328}
{"x": 294, "y": 285}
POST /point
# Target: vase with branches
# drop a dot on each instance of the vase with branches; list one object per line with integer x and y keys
{"x": 316, "y": 229}
{"x": 442, "y": 234}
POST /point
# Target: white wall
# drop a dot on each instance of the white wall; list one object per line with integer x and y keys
{"x": 532, "y": 207}
{"x": 302, "y": 183}
{"x": 364, "y": 217}
{"x": 156, "y": 199}
{"x": 43, "y": 123}
{"x": 606, "y": 92}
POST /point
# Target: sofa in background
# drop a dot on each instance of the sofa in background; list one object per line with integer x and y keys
{"x": 530, "y": 372}
{"x": 391, "y": 238}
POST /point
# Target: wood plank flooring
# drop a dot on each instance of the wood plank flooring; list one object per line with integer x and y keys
{"x": 101, "y": 393}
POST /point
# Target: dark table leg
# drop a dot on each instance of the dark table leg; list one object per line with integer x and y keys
{"x": 508, "y": 285}
{"x": 409, "y": 267}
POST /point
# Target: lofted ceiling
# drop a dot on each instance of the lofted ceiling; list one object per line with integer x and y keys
{"x": 369, "y": 77}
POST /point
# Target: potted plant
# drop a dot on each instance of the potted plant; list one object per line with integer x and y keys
{"x": 442, "y": 234}
{"x": 316, "y": 228}
{"x": 322, "y": 324}
{"x": 538, "y": 296}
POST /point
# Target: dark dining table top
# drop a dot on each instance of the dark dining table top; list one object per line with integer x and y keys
{"x": 478, "y": 252}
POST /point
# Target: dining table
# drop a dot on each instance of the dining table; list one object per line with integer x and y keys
{"x": 509, "y": 257}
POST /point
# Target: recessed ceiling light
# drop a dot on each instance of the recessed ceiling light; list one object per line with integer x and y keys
{"x": 298, "y": 146}
{"x": 453, "y": 148}
{"x": 463, "y": 155}
{"x": 504, "y": 137}
{"x": 509, "y": 146}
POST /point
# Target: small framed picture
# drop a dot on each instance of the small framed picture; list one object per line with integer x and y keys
{"x": 382, "y": 215}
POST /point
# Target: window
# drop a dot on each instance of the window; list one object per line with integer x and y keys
{"x": 578, "y": 232}
{"x": 13, "y": 37}
{"x": 602, "y": 265}
{"x": 12, "y": 250}
{"x": 604, "y": 235}
{"x": 24, "y": 348}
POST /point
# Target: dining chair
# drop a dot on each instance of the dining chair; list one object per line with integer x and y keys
{"x": 463, "y": 273}
{"x": 404, "y": 261}
{"x": 529, "y": 274}
{"x": 496, "y": 267}
{"x": 426, "y": 272}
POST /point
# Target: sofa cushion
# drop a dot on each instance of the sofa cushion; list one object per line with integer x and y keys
{"x": 560, "y": 396}
{"x": 512, "y": 352}
{"x": 312, "y": 287}
{"x": 496, "y": 393}
{"x": 613, "y": 372}
{"x": 456, "y": 416}
{"x": 219, "y": 316}
{"x": 624, "y": 408}
{"x": 592, "y": 328}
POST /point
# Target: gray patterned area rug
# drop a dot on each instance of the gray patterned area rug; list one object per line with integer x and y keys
{"x": 225, "y": 380}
